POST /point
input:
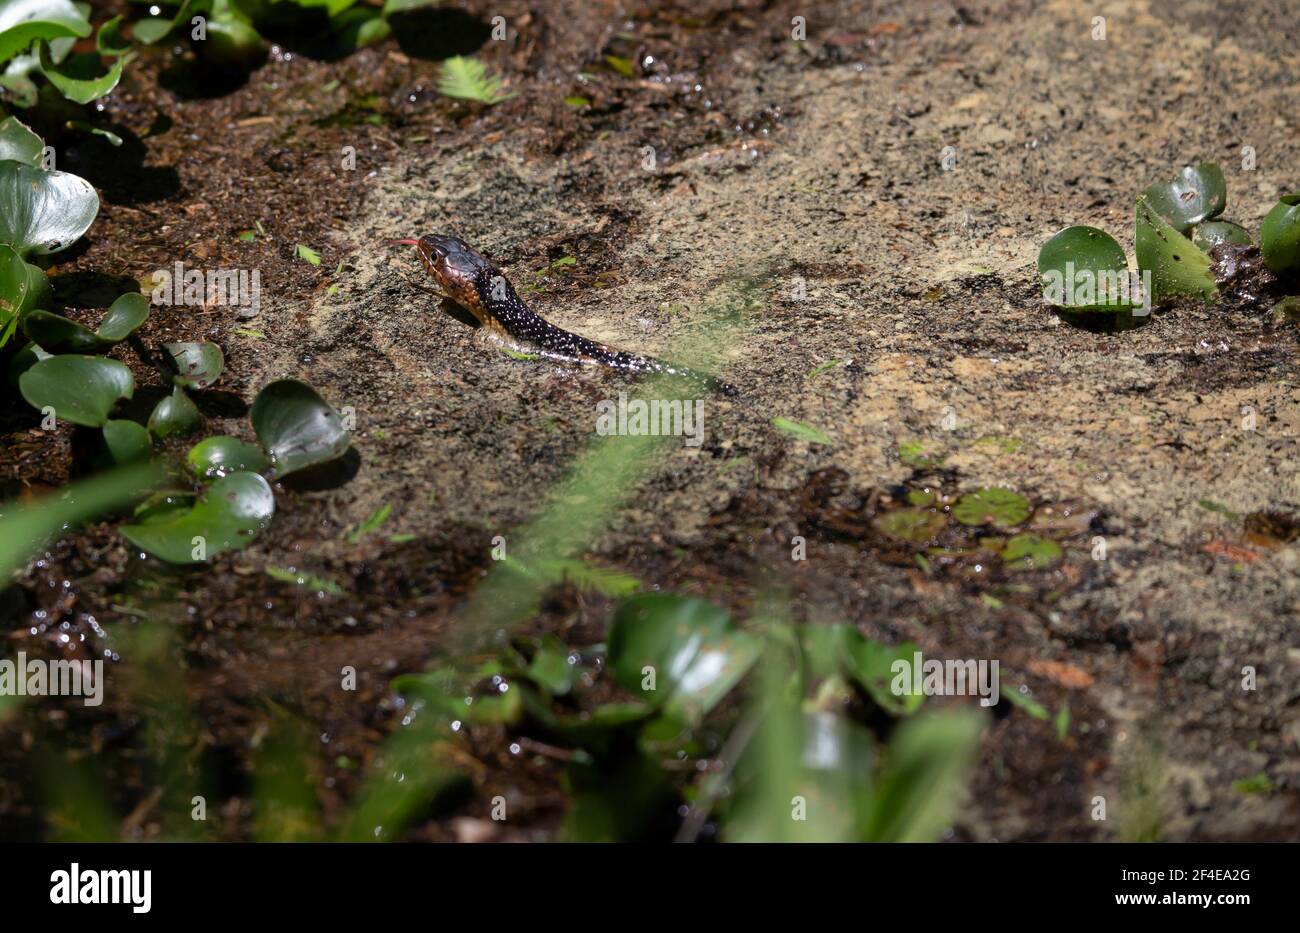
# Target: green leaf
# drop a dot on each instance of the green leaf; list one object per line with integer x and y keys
{"x": 176, "y": 415}
{"x": 993, "y": 506}
{"x": 25, "y": 529}
{"x": 309, "y": 254}
{"x": 1279, "y": 235}
{"x": 124, "y": 317}
{"x": 372, "y": 523}
{"x": 228, "y": 516}
{"x": 915, "y": 526}
{"x": 360, "y": 27}
{"x": 149, "y": 31}
{"x": 297, "y": 427}
{"x": 215, "y": 457}
{"x": 305, "y": 580}
{"x": 56, "y": 334}
{"x": 917, "y": 790}
{"x": 109, "y": 40}
{"x": 550, "y": 667}
{"x": 23, "y": 287}
{"x": 22, "y": 22}
{"x": 401, "y": 6}
{"x": 469, "y": 79}
{"x": 1082, "y": 268}
{"x": 79, "y": 78}
{"x": 1194, "y": 194}
{"x": 802, "y": 431}
{"x": 1178, "y": 267}
{"x": 19, "y": 144}
{"x": 579, "y": 573}
{"x": 1022, "y": 701}
{"x": 44, "y": 211}
{"x": 696, "y": 656}
{"x": 127, "y": 442}
{"x": 623, "y": 66}
{"x": 840, "y": 648}
{"x": 80, "y": 389}
{"x": 112, "y": 138}
{"x": 1030, "y": 552}
{"x": 1213, "y": 232}
{"x": 198, "y": 365}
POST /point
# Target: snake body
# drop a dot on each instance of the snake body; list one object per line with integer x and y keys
{"x": 473, "y": 283}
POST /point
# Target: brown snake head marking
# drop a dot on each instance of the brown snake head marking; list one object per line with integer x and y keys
{"x": 461, "y": 274}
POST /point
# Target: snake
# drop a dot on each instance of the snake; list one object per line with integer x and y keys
{"x": 472, "y": 283}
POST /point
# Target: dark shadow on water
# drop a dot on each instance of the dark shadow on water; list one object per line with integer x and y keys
{"x": 330, "y": 475}
{"x": 214, "y": 403}
{"x": 1097, "y": 322}
{"x": 90, "y": 289}
{"x": 119, "y": 171}
{"x": 191, "y": 79}
{"x": 435, "y": 34}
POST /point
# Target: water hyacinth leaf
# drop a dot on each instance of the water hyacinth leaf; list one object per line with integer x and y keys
{"x": 1279, "y": 235}
{"x": 23, "y": 360}
{"x": 1078, "y": 266}
{"x": 109, "y": 40}
{"x": 198, "y": 365}
{"x": 1177, "y": 266}
{"x": 149, "y": 31}
{"x": 297, "y": 427}
{"x": 44, "y": 211}
{"x": 1031, "y": 552}
{"x": 127, "y": 442}
{"x": 175, "y": 416}
{"x": 1194, "y": 195}
{"x": 123, "y": 318}
{"x": 360, "y": 27}
{"x": 226, "y": 517}
{"x": 23, "y": 22}
{"x": 23, "y": 287}
{"x": 916, "y": 791}
{"x": 80, "y": 389}
{"x": 232, "y": 40}
{"x": 214, "y": 457}
{"x": 694, "y": 654}
{"x": 993, "y": 506}
{"x": 1213, "y": 232}
{"x": 915, "y": 526}
{"x": 56, "y": 334}
{"x": 25, "y": 529}
{"x": 79, "y": 78}
{"x": 19, "y": 144}
{"x": 840, "y": 648}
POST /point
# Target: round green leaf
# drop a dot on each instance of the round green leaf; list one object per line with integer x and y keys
{"x": 1213, "y": 232}
{"x": 992, "y": 506}
{"x": 19, "y": 144}
{"x": 175, "y": 416}
{"x": 80, "y": 389}
{"x": 127, "y": 441}
{"x": 123, "y": 318}
{"x": 1082, "y": 268}
{"x": 232, "y": 43}
{"x": 215, "y": 457}
{"x": 44, "y": 211}
{"x": 22, "y": 22}
{"x": 23, "y": 360}
{"x": 1195, "y": 194}
{"x": 1030, "y": 552}
{"x": 56, "y": 334}
{"x": 696, "y": 656}
{"x": 226, "y": 517}
{"x": 198, "y": 365}
{"x": 1279, "y": 236}
{"x": 916, "y": 526}
{"x": 1178, "y": 267}
{"x": 297, "y": 427}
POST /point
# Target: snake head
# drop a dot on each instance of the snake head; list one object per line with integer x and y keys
{"x": 460, "y": 272}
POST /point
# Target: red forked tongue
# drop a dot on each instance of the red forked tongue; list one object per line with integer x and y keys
{"x": 407, "y": 242}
